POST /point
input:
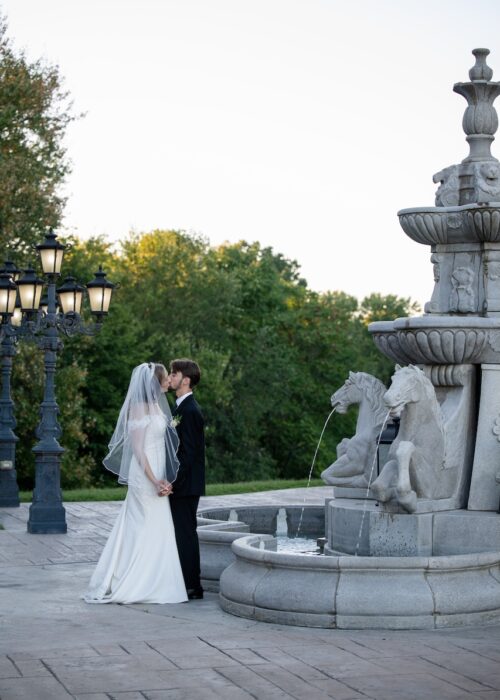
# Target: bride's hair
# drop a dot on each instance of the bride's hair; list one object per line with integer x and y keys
{"x": 160, "y": 370}
{"x": 151, "y": 388}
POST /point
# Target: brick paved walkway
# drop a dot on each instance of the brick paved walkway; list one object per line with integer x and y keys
{"x": 53, "y": 645}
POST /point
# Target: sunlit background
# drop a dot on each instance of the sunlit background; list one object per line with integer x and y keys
{"x": 303, "y": 124}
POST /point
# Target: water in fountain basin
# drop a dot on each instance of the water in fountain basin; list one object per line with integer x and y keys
{"x": 297, "y": 545}
{"x": 291, "y": 545}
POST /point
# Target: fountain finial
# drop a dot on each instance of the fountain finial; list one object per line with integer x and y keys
{"x": 480, "y": 70}
{"x": 479, "y": 173}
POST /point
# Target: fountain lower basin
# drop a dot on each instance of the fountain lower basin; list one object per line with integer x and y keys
{"x": 256, "y": 581}
{"x": 348, "y": 592}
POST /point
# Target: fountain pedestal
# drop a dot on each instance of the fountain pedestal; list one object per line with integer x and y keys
{"x": 363, "y": 529}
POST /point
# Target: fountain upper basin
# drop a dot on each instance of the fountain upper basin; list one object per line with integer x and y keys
{"x": 469, "y": 223}
{"x": 439, "y": 340}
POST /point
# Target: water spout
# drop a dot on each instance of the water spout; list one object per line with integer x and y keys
{"x": 281, "y": 523}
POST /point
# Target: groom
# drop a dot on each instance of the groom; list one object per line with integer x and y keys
{"x": 190, "y": 483}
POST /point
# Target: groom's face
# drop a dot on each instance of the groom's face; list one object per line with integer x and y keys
{"x": 175, "y": 380}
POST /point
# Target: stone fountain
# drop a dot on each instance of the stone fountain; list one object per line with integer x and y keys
{"x": 413, "y": 530}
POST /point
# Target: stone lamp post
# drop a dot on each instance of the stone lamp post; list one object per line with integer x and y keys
{"x": 44, "y": 324}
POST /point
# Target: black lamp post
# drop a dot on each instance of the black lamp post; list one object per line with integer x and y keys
{"x": 9, "y": 490}
{"x": 47, "y": 514}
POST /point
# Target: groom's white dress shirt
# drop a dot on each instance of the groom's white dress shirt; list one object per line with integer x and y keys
{"x": 181, "y": 398}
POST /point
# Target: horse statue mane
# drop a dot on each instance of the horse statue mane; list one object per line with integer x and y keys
{"x": 430, "y": 392}
{"x": 373, "y": 391}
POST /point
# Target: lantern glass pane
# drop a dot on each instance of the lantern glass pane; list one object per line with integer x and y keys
{"x": 78, "y": 301}
{"x": 7, "y": 301}
{"x": 12, "y": 301}
{"x": 38, "y": 295}
{"x": 48, "y": 258}
{"x": 66, "y": 299}
{"x": 59, "y": 259}
{"x": 51, "y": 259}
{"x": 96, "y": 299}
{"x": 27, "y": 296}
{"x": 107, "y": 299}
{"x": 71, "y": 301}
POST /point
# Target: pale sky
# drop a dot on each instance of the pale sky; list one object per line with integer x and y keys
{"x": 303, "y": 124}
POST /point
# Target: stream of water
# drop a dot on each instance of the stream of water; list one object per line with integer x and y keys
{"x": 312, "y": 467}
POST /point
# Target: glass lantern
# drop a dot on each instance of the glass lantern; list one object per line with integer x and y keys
{"x": 30, "y": 290}
{"x": 51, "y": 254}
{"x": 100, "y": 290}
{"x": 70, "y": 296}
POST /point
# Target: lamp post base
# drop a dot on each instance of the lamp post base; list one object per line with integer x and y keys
{"x": 9, "y": 490}
{"x": 47, "y": 519}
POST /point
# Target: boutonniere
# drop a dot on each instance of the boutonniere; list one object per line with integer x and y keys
{"x": 175, "y": 421}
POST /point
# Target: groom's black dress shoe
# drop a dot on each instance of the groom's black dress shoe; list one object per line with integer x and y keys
{"x": 195, "y": 593}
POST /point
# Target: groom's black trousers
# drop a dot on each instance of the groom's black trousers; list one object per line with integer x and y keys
{"x": 184, "y": 516}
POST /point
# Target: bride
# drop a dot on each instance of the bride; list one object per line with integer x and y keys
{"x": 140, "y": 563}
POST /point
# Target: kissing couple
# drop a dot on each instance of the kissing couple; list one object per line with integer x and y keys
{"x": 152, "y": 554}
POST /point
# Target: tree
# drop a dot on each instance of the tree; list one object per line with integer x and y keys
{"x": 34, "y": 114}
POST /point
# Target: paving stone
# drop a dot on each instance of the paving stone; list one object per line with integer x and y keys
{"x": 32, "y": 688}
{"x": 254, "y": 683}
{"x": 492, "y": 680}
{"x": 8, "y": 669}
{"x": 207, "y": 660}
{"x": 110, "y": 650}
{"x": 232, "y": 693}
{"x": 338, "y": 690}
{"x": 113, "y": 681}
{"x": 467, "y": 663}
{"x": 408, "y": 665}
{"x": 244, "y": 656}
{"x": 289, "y": 682}
{"x": 407, "y": 686}
{"x": 291, "y": 663}
{"x": 33, "y": 667}
{"x": 57, "y": 653}
{"x": 341, "y": 667}
{"x": 483, "y": 648}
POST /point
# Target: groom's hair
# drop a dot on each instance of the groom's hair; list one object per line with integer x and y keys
{"x": 188, "y": 368}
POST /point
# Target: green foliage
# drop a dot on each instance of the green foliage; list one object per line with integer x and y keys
{"x": 34, "y": 114}
{"x": 27, "y": 383}
{"x": 271, "y": 352}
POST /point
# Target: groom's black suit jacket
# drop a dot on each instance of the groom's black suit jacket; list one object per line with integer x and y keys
{"x": 191, "y": 453}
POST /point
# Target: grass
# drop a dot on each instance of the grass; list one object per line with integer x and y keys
{"x": 118, "y": 493}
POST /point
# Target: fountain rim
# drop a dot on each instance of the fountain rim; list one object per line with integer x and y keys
{"x": 435, "y": 322}
{"x": 473, "y": 206}
{"x": 245, "y": 548}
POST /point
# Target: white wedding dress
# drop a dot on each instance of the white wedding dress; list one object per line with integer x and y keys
{"x": 140, "y": 563}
